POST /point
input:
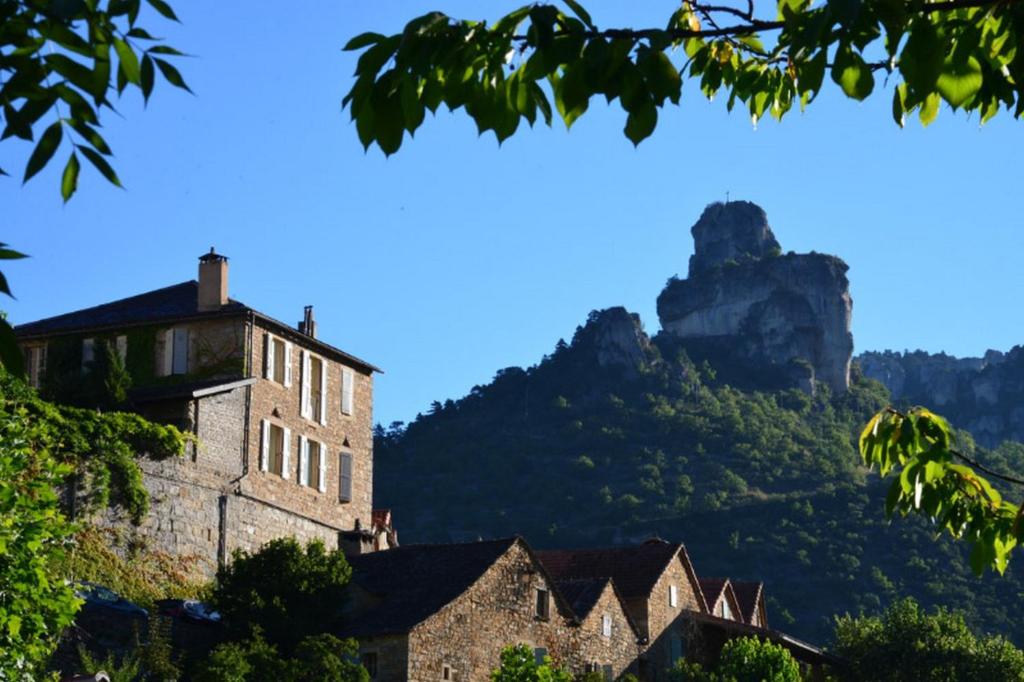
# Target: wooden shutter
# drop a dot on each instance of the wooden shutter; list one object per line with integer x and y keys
{"x": 345, "y": 476}
{"x": 285, "y": 452}
{"x": 122, "y": 348}
{"x": 347, "y": 386}
{"x": 303, "y": 460}
{"x": 167, "y": 360}
{"x": 180, "y": 365}
{"x": 265, "y": 445}
{"x": 287, "y": 364}
{"x": 323, "y": 391}
{"x": 306, "y": 387}
{"x": 268, "y": 357}
{"x": 322, "y": 487}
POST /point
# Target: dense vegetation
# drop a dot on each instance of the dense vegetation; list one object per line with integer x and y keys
{"x": 759, "y": 484}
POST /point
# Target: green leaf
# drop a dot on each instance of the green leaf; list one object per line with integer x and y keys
{"x": 851, "y": 73}
{"x": 44, "y": 150}
{"x": 641, "y": 122}
{"x": 662, "y": 76}
{"x": 101, "y": 165}
{"x": 69, "y": 181}
{"x": 583, "y": 14}
{"x": 129, "y": 61}
{"x": 922, "y": 57}
{"x": 959, "y": 81}
{"x": 146, "y": 75}
{"x": 362, "y": 40}
{"x": 572, "y": 97}
{"x": 811, "y": 73}
{"x": 929, "y": 108}
{"x": 164, "y": 9}
{"x": 91, "y": 136}
{"x": 171, "y": 74}
{"x": 10, "y": 353}
{"x": 898, "y": 110}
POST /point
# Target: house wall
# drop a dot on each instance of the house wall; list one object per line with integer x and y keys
{"x": 392, "y": 657}
{"x": 497, "y": 611}
{"x": 665, "y": 622}
{"x": 215, "y": 347}
{"x": 591, "y": 646}
{"x": 282, "y": 405}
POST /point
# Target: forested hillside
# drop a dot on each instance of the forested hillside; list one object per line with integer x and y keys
{"x": 617, "y": 437}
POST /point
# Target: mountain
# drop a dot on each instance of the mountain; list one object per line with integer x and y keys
{"x": 735, "y": 442}
{"x": 983, "y": 395}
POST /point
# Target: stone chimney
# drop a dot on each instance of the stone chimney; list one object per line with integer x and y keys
{"x": 308, "y": 324}
{"x": 213, "y": 280}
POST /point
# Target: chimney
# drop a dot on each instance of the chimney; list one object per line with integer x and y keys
{"x": 308, "y": 324}
{"x": 213, "y": 280}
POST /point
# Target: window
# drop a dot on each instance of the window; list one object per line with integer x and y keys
{"x": 347, "y": 390}
{"x": 88, "y": 354}
{"x": 606, "y": 625}
{"x": 447, "y": 673}
{"x": 345, "y": 477}
{"x": 274, "y": 449}
{"x": 314, "y": 388}
{"x": 369, "y": 661}
{"x": 121, "y": 346}
{"x": 543, "y": 603}
{"x": 35, "y": 364}
{"x": 277, "y": 360}
{"x": 312, "y": 464}
{"x": 726, "y": 611}
{"x": 609, "y": 675}
{"x": 180, "y": 363}
{"x": 676, "y": 650}
{"x": 539, "y": 654}
{"x": 673, "y": 596}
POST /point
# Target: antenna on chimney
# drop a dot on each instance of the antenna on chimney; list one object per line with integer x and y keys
{"x": 308, "y": 324}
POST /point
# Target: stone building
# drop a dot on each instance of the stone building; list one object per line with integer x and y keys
{"x": 282, "y": 420}
{"x": 720, "y": 598}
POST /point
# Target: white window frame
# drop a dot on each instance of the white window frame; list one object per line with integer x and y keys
{"x": 673, "y": 596}
{"x": 606, "y": 625}
{"x": 348, "y": 399}
{"x": 265, "y": 437}
{"x": 35, "y": 357}
{"x": 270, "y": 360}
{"x": 305, "y": 403}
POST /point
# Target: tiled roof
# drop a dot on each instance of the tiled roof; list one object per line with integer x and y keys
{"x": 712, "y": 588}
{"x": 748, "y": 593}
{"x": 413, "y": 582}
{"x": 177, "y": 302}
{"x": 635, "y": 569}
{"x": 582, "y": 594}
{"x": 173, "y": 302}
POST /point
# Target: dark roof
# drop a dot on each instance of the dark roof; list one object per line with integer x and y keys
{"x": 177, "y": 302}
{"x": 635, "y": 568}
{"x": 801, "y": 650}
{"x": 712, "y": 588}
{"x": 582, "y": 594}
{"x": 413, "y": 582}
{"x": 748, "y": 593}
{"x": 170, "y": 303}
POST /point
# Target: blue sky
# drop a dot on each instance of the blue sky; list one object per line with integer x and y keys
{"x": 455, "y": 258}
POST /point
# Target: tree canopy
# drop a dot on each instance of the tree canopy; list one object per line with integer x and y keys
{"x": 766, "y": 58}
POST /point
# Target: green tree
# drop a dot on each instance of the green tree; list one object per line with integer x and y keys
{"x": 905, "y": 643}
{"x": 287, "y": 591}
{"x": 766, "y": 59}
{"x": 318, "y": 658}
{"x": 519, "y": 664}
{"x": 35, "y": 603}
{"x": 750, "y": 659}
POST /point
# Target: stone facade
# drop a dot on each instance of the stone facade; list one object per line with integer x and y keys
{"x": 613, "y": 654}
{"x": 665, "y": 625}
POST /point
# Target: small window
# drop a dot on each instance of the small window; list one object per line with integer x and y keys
{"x": 726, "y": 611}
{"x": 369, "y": 661}
{"x": 316, "y": 392}
{"x": 276, "y": 449}
{"x": 35, "y": 364}
{"x": 345, "y": 477}
{"x": 543, "y": 604}
{"x": 277, "y": 348}
{"x": 676, "y": 650}
{"x": 313, "y": 468}
{"x": 540, "y": 653}
{"x": 121, "y": 345}
{"x": 179, "y": 361}
{"x": 447, "y": 673}
{"x": 88, "y": 354}
{"x": 347, "y": 391}
{"x": 606, "y": 625}
{"x": 673, "y": 596}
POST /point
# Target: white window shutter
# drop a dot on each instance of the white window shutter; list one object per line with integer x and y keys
{"x": 305, "y": 403}
{"x": 287, "y": 364}
{"x": 268, "y": 356}
{"x": 303, "y": 461}
{"x": 265, "y": 445}
{"x": 285, "y": 452}
{"x": 323, "y": 391}
{"x": 347, "y": 386}
{"x": 323, "y": 469}
{"x": 167, "y": 360}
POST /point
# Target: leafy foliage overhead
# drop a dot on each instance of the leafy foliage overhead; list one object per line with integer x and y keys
{"x": 767, "y": 59}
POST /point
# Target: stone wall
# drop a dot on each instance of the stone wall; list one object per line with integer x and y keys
{"x": 665, "y": 621}
{"x": 342, "y": 433}
{"x": 497, "y": 611}
{"x": 620, "y": 651}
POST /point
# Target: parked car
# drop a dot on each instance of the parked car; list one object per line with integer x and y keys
{"x": 103, "y": 598}
{"x": 189, "y": 609}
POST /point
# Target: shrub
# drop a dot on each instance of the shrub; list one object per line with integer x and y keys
{"x": 750, "y": 659}
{"x": 518, "y": 664}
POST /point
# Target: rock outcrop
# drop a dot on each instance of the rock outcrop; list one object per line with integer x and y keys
{"x": 759, "y": 308}
{"x": 982, "y": 395}
{"x": 616, "y": 338}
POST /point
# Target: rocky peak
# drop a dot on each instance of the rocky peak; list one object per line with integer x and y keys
{"x": 616, "y": 338}
{"x": 735, "y": 231}
{"x": 755, "y": 309}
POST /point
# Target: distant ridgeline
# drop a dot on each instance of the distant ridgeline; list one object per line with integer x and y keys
{"x": 732, "y": 430}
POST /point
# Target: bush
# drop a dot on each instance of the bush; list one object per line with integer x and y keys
{"x": 518, "y": 664}
{"x": 318, "y": 658}
{"x": 749, "y": 659}
{"x": 906, "y": 643}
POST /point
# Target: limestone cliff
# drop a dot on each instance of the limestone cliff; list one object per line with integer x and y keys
{"x": 983, "y": 395}
{"x": 614, "y": 337}
{"x": 790, "y": 312}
